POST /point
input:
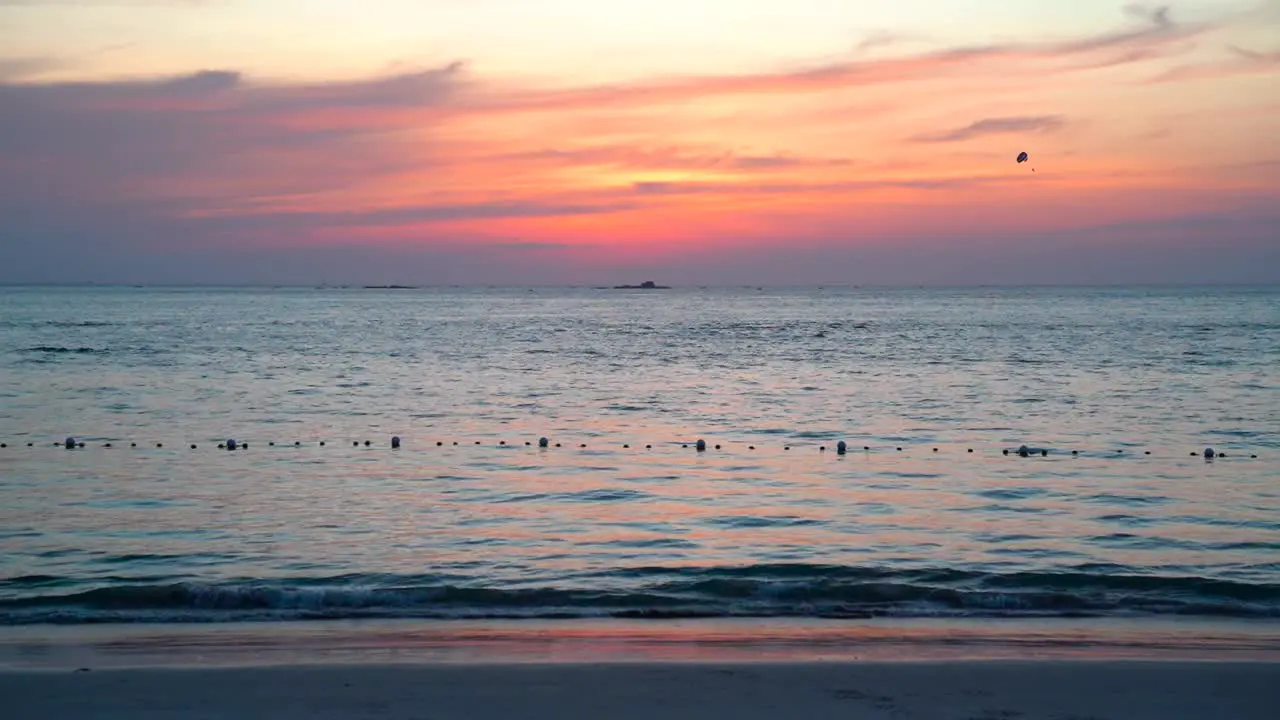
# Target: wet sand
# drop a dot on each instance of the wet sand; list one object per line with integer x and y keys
{"x": 955, "y": 690}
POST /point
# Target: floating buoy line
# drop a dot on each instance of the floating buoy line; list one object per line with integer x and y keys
{"x": 840, "y": 448}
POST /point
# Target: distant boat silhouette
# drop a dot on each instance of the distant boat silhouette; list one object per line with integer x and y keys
{"x": 646, "y": 285}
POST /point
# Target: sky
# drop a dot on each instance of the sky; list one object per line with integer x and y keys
{"x": 719, "y": 142}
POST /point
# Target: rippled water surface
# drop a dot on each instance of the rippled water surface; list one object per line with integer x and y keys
{"x": 617, "y": 517}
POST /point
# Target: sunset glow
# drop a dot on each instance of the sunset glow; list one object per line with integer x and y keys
{"x": 565, "y": 141}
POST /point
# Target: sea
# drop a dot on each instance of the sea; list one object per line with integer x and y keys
{"x": 429, "y": 461}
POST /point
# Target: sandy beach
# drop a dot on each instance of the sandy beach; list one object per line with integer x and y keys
{"x": 1048, "y": 690}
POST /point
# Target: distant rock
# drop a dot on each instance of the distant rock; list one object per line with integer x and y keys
{"x": 646, "y": 285}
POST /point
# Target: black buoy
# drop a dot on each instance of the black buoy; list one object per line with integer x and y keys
{"x": 899, "y": 449}
{"x": 502, "y": 442}
{"x": 822, "y": 448}
{"x": 1005, "y": 451}
{"x": 970, "y": 449}
{"x": 1044, "y": 453}
{"x": 626, "y": 446}
{"x": 321, "y": 443}
{"x": 751, "y": 447}
{"x": 841, "y": 447}
{"x": 438, "y": 443}
{"x": 395, "y": 442}
{"x": 271, "y": 444}
{"x": 193, "y": 446}
{"x": 702, "y": 445}
{"x": 367, "y": 443}
{"x": 70, "y": 444}
{"x": 298, "y": 443}
{"x": 648, "y": 447}
{"x": 133, "y": 444}
{"x": 717, "y": 447}
{"x": 159, "y": 445}
{"x": 355, "y": 443}
{"x": 1208, "y": 453}
{"x": 231, "y": 444}
{"x": 543, "y": 442}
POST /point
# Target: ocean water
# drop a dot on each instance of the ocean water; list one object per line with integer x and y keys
{"x": 926, "y": 516}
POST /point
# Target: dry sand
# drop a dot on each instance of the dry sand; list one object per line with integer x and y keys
{"x": 1039, "y": 690}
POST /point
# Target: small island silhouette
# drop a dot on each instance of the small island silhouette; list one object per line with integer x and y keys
{"x": 646, "y": 285}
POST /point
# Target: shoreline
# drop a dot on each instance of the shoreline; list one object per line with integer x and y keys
{"x": 997, "y": 690}
{"x": 353, "y": 643}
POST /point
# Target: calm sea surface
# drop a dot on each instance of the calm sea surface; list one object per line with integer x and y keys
{"x": 1137, "y": 382}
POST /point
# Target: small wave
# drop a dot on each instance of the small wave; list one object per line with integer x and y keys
{"x": 53, "y": 349}
{"x": 796, "y": 590}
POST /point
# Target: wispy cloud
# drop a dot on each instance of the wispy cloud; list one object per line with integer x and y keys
{"x": 1241, "y": 62}
{"x": 996, "y": 126}
{"x": 1159, "y": 36}
{"x": 25, "y": 68}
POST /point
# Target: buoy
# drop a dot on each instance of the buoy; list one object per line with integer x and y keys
{"x": 193, "y": 446}
{"x": 231, "y": 444}
{"x": 134, "y": 444}
{"x": 1044, "y": 453}
{"x": 438, "y": 443}
{"x": 899, "y": 449}
{"x": 751, "y": 447}
{"x": 395, "y": 442}
{"x": 271, "y": 444}
{"x": 648, "y": 447}
{"x": 159, "y": 445}
{"x": 841, "y": 448}
{"x": 321, "y": 443}
{"x": 787, "y": 447}
{"x": 1208, "y": 453}
{"x": 717, "y": 447}
{"x": 970, "y": 449}
{"x": 70, "y": 444}
{"x": 626, "y": 446}
{"x": 1023, "y": 451}
{"x": 367, "y": 443}
{"x": 543, "y": 442}
{"x": 502, "y": 442}
{"x": 1005, "y": 451}
{"x": 702, "y": 445}
{"x": 355, "y": 443}
{"x": 822, "y": 448}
